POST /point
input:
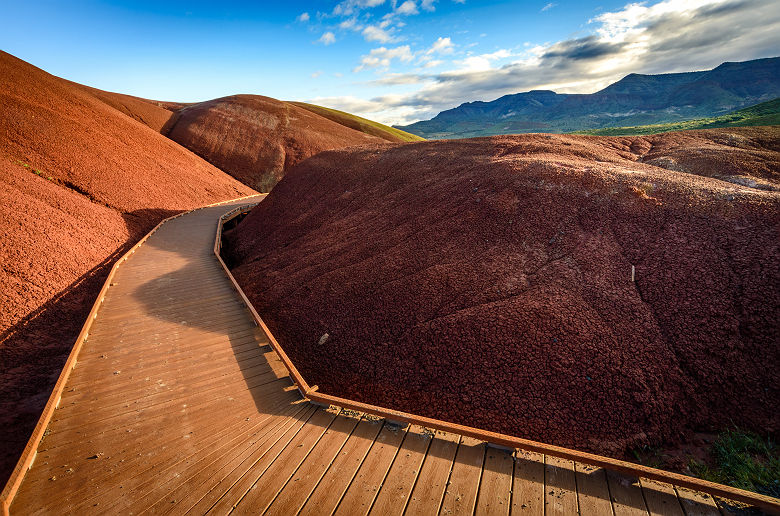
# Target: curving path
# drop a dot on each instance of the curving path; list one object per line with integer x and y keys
{"x": 178, "y": 405}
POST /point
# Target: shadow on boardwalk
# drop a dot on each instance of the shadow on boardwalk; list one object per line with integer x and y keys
{"x": 34, "y": 349}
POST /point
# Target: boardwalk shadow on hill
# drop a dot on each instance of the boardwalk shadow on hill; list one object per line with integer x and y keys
{"x": 196, "y": 276}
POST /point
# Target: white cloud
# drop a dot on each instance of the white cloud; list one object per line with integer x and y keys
{"x": 428, "y": 5}
{"x": 442, "y": 46}
{"x": 303, "y": 17}
{"x": 394, "y": 79}
{"x": 349, "y": 104}
{"x": 378, "y": 33}
{"x": 548, "y": 7}
{"x": 316, "y": 74}
{"x": 407, "y": 8}
{"x": 382, "y": 57}
{"x": 350, "y": 7}
{"x": 483, "y": 61}
{"x": 350, "y": 24}
{"x": 328, "y": 38}
{"x": 432, "y": 64}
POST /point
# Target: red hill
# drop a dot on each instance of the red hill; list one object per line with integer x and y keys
{"x": 489, "y": 282}
{"x": 257, "y": 139}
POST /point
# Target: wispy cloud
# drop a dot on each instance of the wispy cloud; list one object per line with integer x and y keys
{"x": 350, "y": 7}
{"x": 379, "y": 34}
{"x": 327, "y": 38}
{"x": 381, "y": 57}
{"x": 428, "y": 5}
{"x": 395, "y": 79}
{"x": 303, "y": 17}
{"x": 407, "y": 8}
{"x": 350, "y": 23}
{"x": 442, "y": 46}
{"x": 548, "y": 7}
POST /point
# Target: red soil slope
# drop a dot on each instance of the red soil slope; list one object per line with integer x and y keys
{"x": 79, "y": 182}
{"x": 257, "y": 139}
{"x": 154, "y": 114}
{"x": 488, "y": 282}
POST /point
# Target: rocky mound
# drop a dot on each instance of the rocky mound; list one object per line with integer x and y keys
{"x": 489, "y": 282}
{"x": 79, "y": 182}
{"x": 256, "y": 139}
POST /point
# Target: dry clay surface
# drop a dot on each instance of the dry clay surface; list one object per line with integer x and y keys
{"x": 80, "y": 181}
{"x": 257, "y": 139}
{"x": 489, "y": 281}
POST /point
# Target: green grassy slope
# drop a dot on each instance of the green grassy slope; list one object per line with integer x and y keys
{"x": 766, "y": 113}
{"x": 361, "y": 124}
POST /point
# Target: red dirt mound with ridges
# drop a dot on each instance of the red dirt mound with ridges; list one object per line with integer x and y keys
{"x": 79, "y": 182}
{"x": 257, "y": 139}
{"x": 488, "y": 282}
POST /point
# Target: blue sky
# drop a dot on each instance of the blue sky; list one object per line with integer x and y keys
{"x": 393, "y": 61}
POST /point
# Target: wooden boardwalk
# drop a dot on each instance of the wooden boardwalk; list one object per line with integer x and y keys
{"x": 178, "y": 405}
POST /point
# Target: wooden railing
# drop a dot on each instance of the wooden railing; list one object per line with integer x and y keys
{"x": 31, "y": 448}
{"x": 766, "y": 503}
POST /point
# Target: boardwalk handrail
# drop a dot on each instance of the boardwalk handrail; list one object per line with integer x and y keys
{"x": 764, "y": 502}
{"x": 27, "y": 458}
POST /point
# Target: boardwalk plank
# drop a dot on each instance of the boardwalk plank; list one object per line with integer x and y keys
{"x": 271, "y": 481}
{"x": 236, "y": 492}
{"x": 361, "y": 493}
{"x": 560, "y": 487}
{"x": 461, "y": 494}
{"x": 661, "y": 498}
{"x": 626, "y": 494}
{"x": 299, "y": 487}
{"x": 394, "y": 494}
{"x": 428, "y": 493}
{"x": 334, "y": 483}
{"x": 225, "y": 480}
{"x": 695, "y": 503}
{"x": 528, "y": 484}
{"x": 496, "y": 486}
{"x": 592, "y": 490}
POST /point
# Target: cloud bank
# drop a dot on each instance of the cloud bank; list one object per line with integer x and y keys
{"x": 667, "y": 36}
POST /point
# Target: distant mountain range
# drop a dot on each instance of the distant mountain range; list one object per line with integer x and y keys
{"x": 634, "y": 100}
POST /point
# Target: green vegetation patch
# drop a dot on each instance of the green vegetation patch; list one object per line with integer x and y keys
{"x": 35, "y": 171}
{"x": 361, "y": 124}
{"x": 744, "y": 460}
{"x": 766, "y": 113}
